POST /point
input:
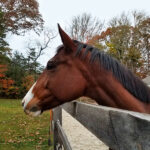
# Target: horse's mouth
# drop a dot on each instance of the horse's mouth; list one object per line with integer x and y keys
{"x": 36, "y": 108}
{"x": 33, "y": 114}
{"x": 34, "y": 111}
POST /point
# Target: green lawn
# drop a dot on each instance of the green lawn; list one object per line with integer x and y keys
{"x": 19, "y": 131}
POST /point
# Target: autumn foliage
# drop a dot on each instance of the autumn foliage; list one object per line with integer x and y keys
{"x": 6, "y": 84}
{"x": 127, "y": 41}
{"x": 21, "y": 15}
{"x": 28, "y": 82}
{"x": 17, "y": 73}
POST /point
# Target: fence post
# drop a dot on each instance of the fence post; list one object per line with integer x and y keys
{"x": 50, "y": 143}
{"x": 57, "y": 116}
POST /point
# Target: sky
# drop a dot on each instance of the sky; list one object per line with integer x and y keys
{"x": 62, "y": 11}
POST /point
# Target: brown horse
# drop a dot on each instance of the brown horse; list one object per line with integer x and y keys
{"x": 78, "y": 70}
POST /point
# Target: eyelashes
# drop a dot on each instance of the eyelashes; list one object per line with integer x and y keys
{"x": 51, "y": 65}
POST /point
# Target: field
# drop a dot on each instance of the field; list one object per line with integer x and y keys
{"x": 19, "y": 131}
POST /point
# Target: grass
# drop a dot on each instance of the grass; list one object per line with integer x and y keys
{"x": 19, "y": 131}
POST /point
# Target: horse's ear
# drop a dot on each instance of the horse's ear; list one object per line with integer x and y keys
{"x": 67, "y": 41}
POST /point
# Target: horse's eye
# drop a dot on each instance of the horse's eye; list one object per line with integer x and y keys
{"x": 51, "y": 65}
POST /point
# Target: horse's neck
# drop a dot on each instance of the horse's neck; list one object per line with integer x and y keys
{"x": 106, "y": 90}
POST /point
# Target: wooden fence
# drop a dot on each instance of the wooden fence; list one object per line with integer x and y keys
{"x": 118, "y": 129}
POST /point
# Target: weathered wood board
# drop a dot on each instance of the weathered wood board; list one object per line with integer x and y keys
{"x": 118, "y": 129}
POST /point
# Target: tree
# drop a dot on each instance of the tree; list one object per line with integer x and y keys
{"x": 22, "y": 72}
{"x": 32, "y": 64}
{"x": 36, "y": 49}
{"x": 144, "y": 32}
{"x": 6, "y": 84}
{"x": 27, "y": 82}
{"x": 17, "y": 16}
{"x": 84, "y": 27}
{"x": 25, "y": 70}
{"x": 124, "y": 40}
{"x": 4, "y": 50}
{"x": 17, "y": 68}
{"x": 21, "y": 15}
{"x": 137, "y": 42}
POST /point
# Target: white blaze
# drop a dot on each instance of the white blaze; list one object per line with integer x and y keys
{"x": 28, "y": 96}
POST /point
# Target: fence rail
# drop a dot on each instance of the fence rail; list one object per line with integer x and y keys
{"x": 118, "y": 129}
{"x": 62, "y": 137}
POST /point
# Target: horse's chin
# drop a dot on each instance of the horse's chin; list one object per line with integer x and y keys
{"x": 34, "y": 114}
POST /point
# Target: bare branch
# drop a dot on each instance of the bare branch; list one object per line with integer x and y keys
{"x": 41, "y": 46}
{"x": 84, "y": 27}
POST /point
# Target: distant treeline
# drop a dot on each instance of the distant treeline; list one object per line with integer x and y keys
{"x": 126, "y": 38}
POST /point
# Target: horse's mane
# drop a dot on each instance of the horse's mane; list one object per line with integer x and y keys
{"x": 130, "y": 82}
